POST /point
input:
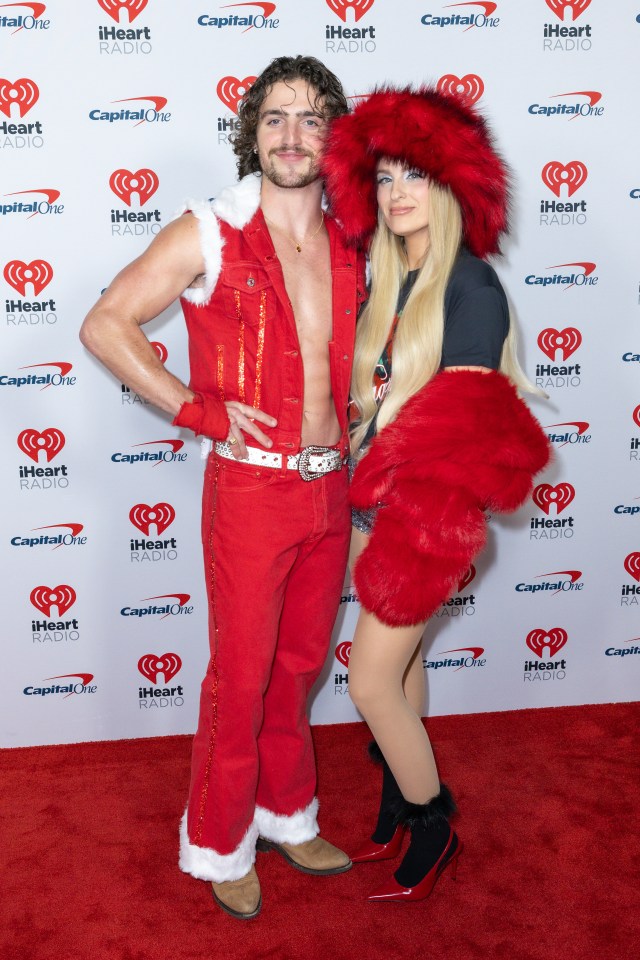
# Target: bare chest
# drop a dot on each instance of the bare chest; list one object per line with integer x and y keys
{"x": 307, "y": 277}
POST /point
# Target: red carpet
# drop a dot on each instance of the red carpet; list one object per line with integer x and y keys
{"x": 550, "y": 808}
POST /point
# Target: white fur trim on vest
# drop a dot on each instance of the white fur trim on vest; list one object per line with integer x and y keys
{"x": 203, "y": 863}
{"x": 236, "y": 205}
{"x": 299, "y": 827}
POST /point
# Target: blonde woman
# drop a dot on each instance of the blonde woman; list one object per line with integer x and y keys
{"x": 440, "y": 433}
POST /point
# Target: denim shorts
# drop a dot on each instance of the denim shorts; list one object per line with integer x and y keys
{"x": 362, "y": 520}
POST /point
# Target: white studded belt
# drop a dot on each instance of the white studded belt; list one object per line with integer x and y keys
{"x": 311, "y": 463}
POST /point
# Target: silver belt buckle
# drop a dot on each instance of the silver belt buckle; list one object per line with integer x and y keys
{"x": 304, "y": 462}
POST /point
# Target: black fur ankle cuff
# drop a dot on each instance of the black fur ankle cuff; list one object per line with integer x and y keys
{"x": 375, "y": 753}
{"x": 439, "y": 808}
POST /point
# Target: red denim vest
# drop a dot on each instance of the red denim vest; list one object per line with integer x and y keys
{"x": 243, "y": 343}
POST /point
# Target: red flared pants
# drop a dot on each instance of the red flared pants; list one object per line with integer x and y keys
{"x": 275, "y": 549}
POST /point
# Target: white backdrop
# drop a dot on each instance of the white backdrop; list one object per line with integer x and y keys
{"x": 111, "y": 113}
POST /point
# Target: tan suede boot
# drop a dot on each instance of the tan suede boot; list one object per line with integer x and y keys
{"x": 239, "y": 898}
{"x": 315, "y": 856}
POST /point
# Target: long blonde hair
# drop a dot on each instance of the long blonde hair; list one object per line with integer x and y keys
{"x": 418, "y": 340}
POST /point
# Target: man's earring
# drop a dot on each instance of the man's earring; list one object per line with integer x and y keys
{"x": 255, "y": 149}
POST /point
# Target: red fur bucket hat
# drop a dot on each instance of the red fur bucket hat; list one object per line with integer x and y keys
{"x": 427, "y": 130}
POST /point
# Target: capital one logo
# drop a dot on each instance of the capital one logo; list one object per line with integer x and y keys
{"x": 145, "y": 113}
{"x": 50, "y": 442}
{"x": 37, "y": 9}
{"x": 468, "y": 88}
{"x": 636, "y": 416}
{"x": 545, "y": 496}
{"x": 44, "y": 598}
{"x": 23, "y": 93}
{"x": 231, "y": 90}
{"x": 124, "y": 184}
{"x": 115, "y": 7}
{"x": 572, "y": 175}
{"x": 476, "y": 653}
{"x": 343, "y": 652}
{"x": 142, "y": 516}
{"x": 559, "y": 7}
{"x": 566, "y": 341}
{"x": 49, "y": 379}
{"x": 553, "y": 640}
{"x": 168, "y": 664}
{"x": 359, "y": 8}
{"x": 581, "y": 427}
{"x": 18, "y": 274}
{"x": 33, "y": 207}
{"x": 632, "y": 565}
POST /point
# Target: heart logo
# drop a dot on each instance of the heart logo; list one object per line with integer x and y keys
{"x": 576, "y": 6}
{"x": 142, "y": 516}
{"x": 555, "y": 640}
{"x": 636, "y": 416}
{"x": 150, "y": 665}
{"x": 468, "y": 577}
{"x": 567, "y": 341}
{"x": 632, "y": 565}
{"x": 572, "y": 175}
{"x": 161, "y": 350}
{"x": 24, "y": 92}
{"x": 18, "y": 274}
{"x": 124, "y": 183}
{"x": 468, "y": 88}
{"x": 113, "y": 8}
{"x": 343, "y": 652}
{"x": 359, "y": 7}
{"x": 44, "y": 598}
{"x": 544, "y": 496}
{"x": 50, "y": 440}
{"x": 231, "y": 90}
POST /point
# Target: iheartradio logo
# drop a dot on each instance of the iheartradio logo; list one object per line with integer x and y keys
{"x": 632, "y": 565}
{"x": 50, "y": 441}
{"x": 44, "y": 598}
{"x": 468, "y": 577}
{"x": 23, "y": 93}
{"x": 572, "y": 175}
{"x": 124, "y": 184}
{"x": 151, "y": 665}
{"x": 566, "y": 341}
{"x": 343, "y": 652}
{"x": 540, "y": 640}
{"x": 18, "y": 274}
{"x": 545, "y": 496}
{"x": 359, "y": 7}
{"x": 115, "y": 7}
{"x": 142, "y": 516}
{"x": 231, "y": 90}
{"x": 468, "y": 88}
{"x": 577, "y": 7}
{"x": 636, "y": 416}
{"x": 161, "y": 350}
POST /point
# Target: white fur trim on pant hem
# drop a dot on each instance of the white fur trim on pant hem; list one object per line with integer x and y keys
{"x": 300, "y": 826}
{"x": 203, "y": 863}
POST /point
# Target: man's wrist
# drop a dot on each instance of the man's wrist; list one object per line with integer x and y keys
{"x": 205, "y": 415}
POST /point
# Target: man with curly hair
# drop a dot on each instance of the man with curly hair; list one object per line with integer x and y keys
{"x": 270, "y": 293}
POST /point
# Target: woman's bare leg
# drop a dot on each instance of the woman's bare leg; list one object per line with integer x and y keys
{"x": 379, "y": 661}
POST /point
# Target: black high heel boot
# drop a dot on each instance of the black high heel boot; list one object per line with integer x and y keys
{"x": 386, "y": 839}
{"x": 434, "y": 845}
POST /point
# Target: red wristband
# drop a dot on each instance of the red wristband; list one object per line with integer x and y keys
{"x": 204, "y": 415}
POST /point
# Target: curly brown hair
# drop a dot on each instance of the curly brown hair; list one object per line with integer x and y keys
{"x": 329, "y": 101}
